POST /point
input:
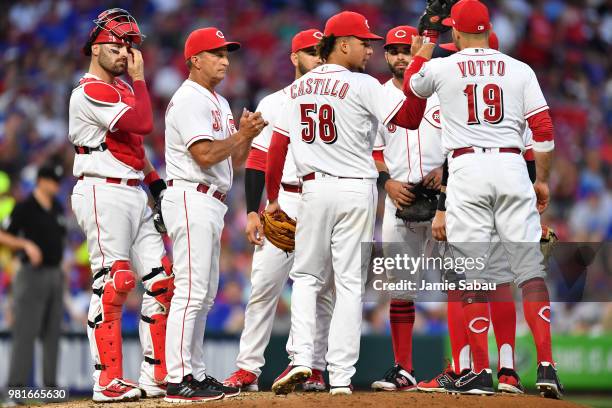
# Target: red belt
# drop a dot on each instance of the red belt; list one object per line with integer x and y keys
{"x": 466, "y": 150}
{"x": 203, "y": 188}
{"x": 113, "y": 180}
{"x": 311, "y": 176}
{"x": 291, "y": 188}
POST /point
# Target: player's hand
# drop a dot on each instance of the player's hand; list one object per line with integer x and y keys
{"x": 273, "y": 207}
{"x": 399, "y": 193}
{"x": 438, "y": 226}
{"x": 542, "y": 194}
{"x": 33, "y": 252}
{"x": 135, "y": 65}
{"x": 433, "y": 179}
{"x": 254, "y": 229}
{"x": 422, "y": 47}
{"x": 251, "y": 124}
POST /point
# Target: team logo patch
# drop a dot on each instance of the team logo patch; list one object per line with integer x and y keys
{"x": 318, "y": 35}
{"x": 436, "y": 116}
{"x": 220, "y": 34}
{"x": 366, "y": 23}
{"x": 391, "y": 127}
{"x": 542, "y": 315}
{"x": 216, "y": 116}
{"x": 477, "y": 319}
{"x": 400, "y": 33}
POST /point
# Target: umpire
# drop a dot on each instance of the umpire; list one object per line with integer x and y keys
{"x": 38, "y": 284}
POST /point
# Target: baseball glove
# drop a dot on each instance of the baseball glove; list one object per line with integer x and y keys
{"x": 547, "y": 241}
{"x": 279, "y": 229}
{"x": 435, "y": 12}
{"x": 423, "y": 208}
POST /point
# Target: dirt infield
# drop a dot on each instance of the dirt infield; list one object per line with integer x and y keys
{"x": 357, "y": 400}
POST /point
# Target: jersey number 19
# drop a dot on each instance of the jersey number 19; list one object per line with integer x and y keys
{"x": 493, "y": 97}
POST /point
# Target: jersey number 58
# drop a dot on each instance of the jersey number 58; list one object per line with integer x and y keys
{"x": 318, "y": 118}
{"x": 493, "y": 97}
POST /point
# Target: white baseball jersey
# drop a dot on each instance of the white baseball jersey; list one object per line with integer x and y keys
{"x": 89, "y": 123}
{"x": 271, "y": 107}
{"x": 411, "y": 154}
{"x": 485, "y": 97}
{"x": 195, "y": 114}
{"x": 332, "y": 116}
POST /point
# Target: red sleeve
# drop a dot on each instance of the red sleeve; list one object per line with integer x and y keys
{"x": 277, "y": 152}
{"x": 410, "y": 114}
{"x": 257, "y": 159}
{"x": 138, "y": 119}
{"x": 542, "y": 128}
{"x": 378, "y": 156}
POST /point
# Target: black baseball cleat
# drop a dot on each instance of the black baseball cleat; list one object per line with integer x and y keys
{"x": 547, "y": 381}
{"x": 211, "y": 383}
{"x": 509, "y": 381}
{"x": 474, "y": 383}
{"x": 189, "y": 390}
{"x": 396, "y": 379}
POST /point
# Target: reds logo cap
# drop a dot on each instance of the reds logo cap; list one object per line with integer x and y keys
{"x": 349, "y": 24}
{"x": 401, "y": 35}
{"x": 305, "y": 39}
{"x": 206, "y": 39}
{"x": 469, "y": 16}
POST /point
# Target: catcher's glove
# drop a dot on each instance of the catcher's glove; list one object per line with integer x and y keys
{"x": 547, "y": 241}
{"x": 423, "y": 208}
{"x": 435, "y": 12}
{"x": 279, "y": 229}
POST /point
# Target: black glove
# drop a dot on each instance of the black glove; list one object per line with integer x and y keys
{"x": 157, "y": 189}
{"x": 423, "y": 208}
{"x": 158, "y": 219}
{"x": 435, "y": 12}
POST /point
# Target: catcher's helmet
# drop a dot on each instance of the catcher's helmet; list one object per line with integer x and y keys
{"x": 114, "y": 26}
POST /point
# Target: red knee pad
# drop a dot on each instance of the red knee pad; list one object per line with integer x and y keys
{"x": 116, "y": 289}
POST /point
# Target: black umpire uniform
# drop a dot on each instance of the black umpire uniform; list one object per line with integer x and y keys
{"x": 38, "y": 290}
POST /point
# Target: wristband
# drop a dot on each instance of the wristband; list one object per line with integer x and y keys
{"x": 156, "y": 187}
{"x": 383, "y": 177}
{"x": 151, "y": 177}
{"x": 442, "y": 202}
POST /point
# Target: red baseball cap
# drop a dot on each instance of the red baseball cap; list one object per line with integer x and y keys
{"x": 205, "y": 39}
{"x": 306, "y": 39}
{"x": 349, "y": 24}
{"x": 469, "y": 16}
{"x": 493, "y": 43}
{"x": 400, "y": 35}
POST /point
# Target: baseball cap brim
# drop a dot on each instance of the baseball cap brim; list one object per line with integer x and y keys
{"x": 369, "y": 36}
{"x": 449, "y": 47}
{"x": 231, "y": 46}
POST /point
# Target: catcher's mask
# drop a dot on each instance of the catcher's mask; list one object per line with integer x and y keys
{"x": 114, "y": 26}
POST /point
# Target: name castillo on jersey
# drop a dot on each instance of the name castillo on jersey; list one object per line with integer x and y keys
{"x": 332, "y": 116}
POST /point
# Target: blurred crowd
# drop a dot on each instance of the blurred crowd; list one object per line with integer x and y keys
{"x": 566, "y": 42}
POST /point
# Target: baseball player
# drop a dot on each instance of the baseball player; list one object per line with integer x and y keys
{"x": 271, "y": 265}
{"x": 405, "y": 158}
{"x": 489, "y": 188}
{"x": 202, "y": 144}
{"x": 107, "y": 121}
{"x": 331, "y": 119}
{"x": 501, "y": 302}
